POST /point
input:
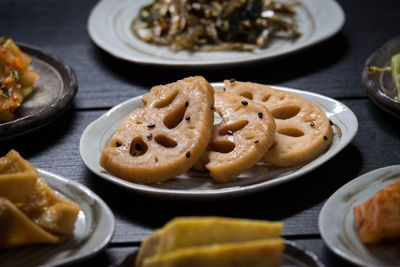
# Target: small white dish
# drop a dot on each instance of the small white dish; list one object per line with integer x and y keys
{"x": 110, "y": 22}
{"x": 199, "y": 184}
{"x": 336, "y": 220}
{"x": 93, "y": 229}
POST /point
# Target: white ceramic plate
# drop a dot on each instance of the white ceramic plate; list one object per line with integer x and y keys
{"x": 93, "y": 229}
{"x": 199, "y": 184}
{"x": 110, "y": 21}
{"x": 336, "y": 220}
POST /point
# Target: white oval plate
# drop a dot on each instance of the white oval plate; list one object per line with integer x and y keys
{"x": 110, "y": 21}
{"x": 199, "y": 184}
{"x": 336, "y": 220}
{"x": 93, "y": 229}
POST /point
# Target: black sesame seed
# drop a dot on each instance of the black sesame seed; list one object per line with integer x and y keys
{"x": 186, "y": 104}
{"x": 229, "y": 132}
{"x": 212, "y": 107}
{"x": 151, "y": 125}
{"x": 188, "y": 154}
{"x": 330, "y": 122}
{"x": 187, "y": 117}
{"x": 150, "y": 135}
{"x": 224, "y": 89}
{"x": 118, "y": 144}
{"x": 138, "y": 147}
{"x": 260, "y": 115}
{"x": 256, "y": 141}
{"x": 312, "y": 123}
{"x": 232, "y": 80}
{"x": 245, "y": 103}
{"x": 325, "y": 137}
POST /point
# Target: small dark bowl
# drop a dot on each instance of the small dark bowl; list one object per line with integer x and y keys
{"x": 53, "y": 95}
{"x": 380, "y": 86}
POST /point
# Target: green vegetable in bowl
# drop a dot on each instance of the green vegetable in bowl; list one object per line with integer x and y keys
{"x": 396, "y": 73}
{"x": 394, "y": 68}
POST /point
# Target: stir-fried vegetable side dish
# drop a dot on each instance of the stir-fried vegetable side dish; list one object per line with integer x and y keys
{"x": 216, "y": 25}
{"x": 16, "y": 80}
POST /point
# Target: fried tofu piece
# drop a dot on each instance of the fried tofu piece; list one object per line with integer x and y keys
{"x": 17, "y": 177}
{"x": 258, "y": 253}
{"x": 53, "y": 213}
{"x": 187, "y": 232}
{"x": 30, "y": 211}
{"x": 17, "y": 229}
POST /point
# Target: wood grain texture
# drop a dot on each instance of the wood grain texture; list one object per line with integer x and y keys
{"x": 56, "y": 148}
{"x": 330, "y": 68}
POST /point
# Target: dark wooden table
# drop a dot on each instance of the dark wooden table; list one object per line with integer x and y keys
{"x": 331, "y": 68}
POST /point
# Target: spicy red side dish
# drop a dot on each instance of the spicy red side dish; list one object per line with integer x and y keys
{"x": 16, "y": 80}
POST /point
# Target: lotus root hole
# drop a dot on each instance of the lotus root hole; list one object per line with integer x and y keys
{"x": 248, "y": 95}
{"x": 234, "y": 127}
{"x": 293, "y": 132}
{"x": 222, "y": 146}
{"x": 286, "y": 112}
{"x": 266, "y": 98}
{"x": 165, "y": 141}
{"x": 167, "y": 100}
{"x": 175, "y": 117}
{"x": 138, "y": 147}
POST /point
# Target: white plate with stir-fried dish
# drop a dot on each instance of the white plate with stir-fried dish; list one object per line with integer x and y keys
{"x": 35, "y": 88}
{"x": 203, "y": 33}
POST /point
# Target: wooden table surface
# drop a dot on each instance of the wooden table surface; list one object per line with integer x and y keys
{"x": 331, "y": 68}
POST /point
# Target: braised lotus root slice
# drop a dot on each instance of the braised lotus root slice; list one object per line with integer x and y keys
{"x": 303, "y": 131}
{"x": 166, "y": 137}
{"x": 246, "y": 132}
